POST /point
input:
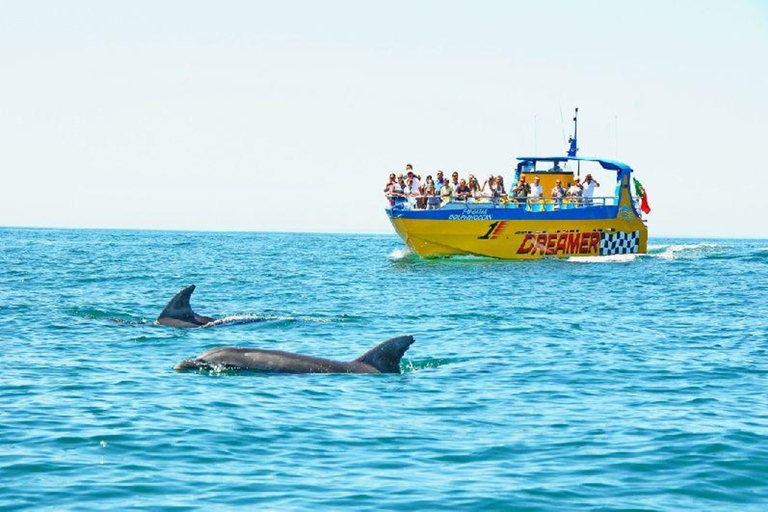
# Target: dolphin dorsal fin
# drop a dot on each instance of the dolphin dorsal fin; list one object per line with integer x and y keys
{"x": 386, "y": 356}
{"x": 178, "y": 307}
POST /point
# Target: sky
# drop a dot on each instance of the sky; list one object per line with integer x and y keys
{"x": 288, "y": 116}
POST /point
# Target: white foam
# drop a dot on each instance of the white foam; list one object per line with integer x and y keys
{"x": 672, "y": 252}
{"x": 616, "y": 258}
{"x": 249, "y": 318}
{"x": 399, "y": 254}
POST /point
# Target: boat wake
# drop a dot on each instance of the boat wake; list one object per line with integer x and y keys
{"x": 679, "y": 251}
{"x": 616, "y": 258}
{"x": 254, "y": 318}
{"x": 108, "y": 316}
{"x": 410, "y": 365}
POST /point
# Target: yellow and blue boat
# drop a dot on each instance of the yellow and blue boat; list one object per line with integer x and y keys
{"x": 532, "y": 228}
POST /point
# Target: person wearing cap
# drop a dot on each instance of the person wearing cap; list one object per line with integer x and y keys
{"x": 589, "y": 188}
{"x": 574, "y": 192}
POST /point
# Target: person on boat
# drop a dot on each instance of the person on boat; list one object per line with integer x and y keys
{"x": 489, "y": 186}
{"x": 556, "y": 167}
{"x": 474, "y": 187}
{"x": 446, "y": 192}
{"x": 462, "y": 192}
{"x": 521, "y": 190}
{"x": 389, "y": 189}
{"x": 433, "y": 200}
{"x": 411, "y": 175}
{"x": 536, "y": 191}
{"x": 411, "y": 193}
{"x": 574, "y": 192}
{"x": 558, "y": 192}
{"x": 498, "y": 187}
{"x": 398, "y": 190}
{"x": 423, "y": 188}
{"x": 439, "y": 181}
{"x": 589, "y": 189}
{"x": 455, "y": 181}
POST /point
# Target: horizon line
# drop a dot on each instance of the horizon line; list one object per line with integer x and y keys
{"x": 300, "y": 232}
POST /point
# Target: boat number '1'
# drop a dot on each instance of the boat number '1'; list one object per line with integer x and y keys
{"x": 494, "y": 230}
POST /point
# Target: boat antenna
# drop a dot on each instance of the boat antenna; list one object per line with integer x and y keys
{"x": 573, "y": 148}
{"x": 562, "y": 123}
{"x": 535, "y": 137}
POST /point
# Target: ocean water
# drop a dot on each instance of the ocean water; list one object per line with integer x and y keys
{"x": 632, "y": 383}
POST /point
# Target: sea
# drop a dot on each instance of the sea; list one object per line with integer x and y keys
{"x": 624, "y": 383}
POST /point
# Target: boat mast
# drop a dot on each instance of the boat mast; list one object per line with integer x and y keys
{"x": 573, "y": 149}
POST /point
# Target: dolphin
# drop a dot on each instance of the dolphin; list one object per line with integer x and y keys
{"x": 178, "y": 312}
{"x": 384, "y": 358}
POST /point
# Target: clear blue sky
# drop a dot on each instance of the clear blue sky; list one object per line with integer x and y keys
{"x": 239, "y": 115}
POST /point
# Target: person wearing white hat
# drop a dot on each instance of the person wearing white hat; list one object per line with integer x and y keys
{"x": 574, "y": 191}
{"x": 589, "y": 189}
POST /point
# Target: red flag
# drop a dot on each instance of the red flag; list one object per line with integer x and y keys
{"x": 644, "y": 203}
{"x": 640, "y": 191}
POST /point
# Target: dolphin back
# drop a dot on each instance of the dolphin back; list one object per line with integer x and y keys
{"x": 178, "y": 312}
{"x": 386, "y": 356}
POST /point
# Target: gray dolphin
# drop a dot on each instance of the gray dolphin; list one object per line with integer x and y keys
{"x": 384, "y": 358}
{"x": 178, "y": 312}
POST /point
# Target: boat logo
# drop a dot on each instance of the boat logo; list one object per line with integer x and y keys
{"x": 625, "y": 214}
{"x": 560, "y": 244}
{"x": 494, "y": 230}
{"x": 472, "y": 214}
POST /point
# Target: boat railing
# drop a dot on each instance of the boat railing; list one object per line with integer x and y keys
{"x": 541, "y": 204}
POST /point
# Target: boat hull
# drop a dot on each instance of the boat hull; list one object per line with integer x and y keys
{"x": 522, "y": 239}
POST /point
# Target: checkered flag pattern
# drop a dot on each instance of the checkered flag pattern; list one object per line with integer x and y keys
{"x": 619, "y": 243}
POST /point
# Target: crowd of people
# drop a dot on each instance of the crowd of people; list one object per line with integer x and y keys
{"x": 431, "y": 193}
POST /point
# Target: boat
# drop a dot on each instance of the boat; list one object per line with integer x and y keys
{"x": 524, "y": 228}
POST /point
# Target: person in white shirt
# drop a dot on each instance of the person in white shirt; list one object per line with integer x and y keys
{"x": 536, "y": 190}
{"x": 589, "y": 188}
{"x": 455, "y": 180}
{"x": 416, "y": 180}
{"x": 574, "y": 191}
{"x": 489, "y": 186}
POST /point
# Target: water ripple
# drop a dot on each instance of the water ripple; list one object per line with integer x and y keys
{"x": 535, "y": 385}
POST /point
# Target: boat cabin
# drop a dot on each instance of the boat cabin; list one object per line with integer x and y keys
{"x": 547, "y": 170}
